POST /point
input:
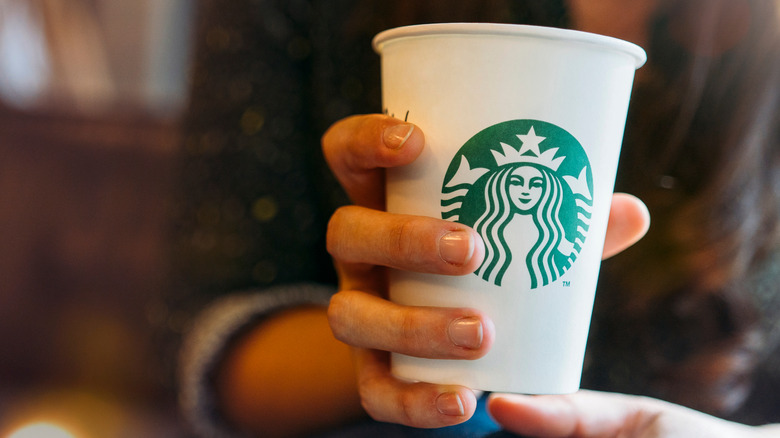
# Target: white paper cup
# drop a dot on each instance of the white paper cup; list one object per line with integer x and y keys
{"x": 523, "y": 128}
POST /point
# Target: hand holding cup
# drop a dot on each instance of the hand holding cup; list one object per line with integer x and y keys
{"x": 365, "y": 241}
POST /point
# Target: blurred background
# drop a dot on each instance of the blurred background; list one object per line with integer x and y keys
{"x": 91, "y": 95}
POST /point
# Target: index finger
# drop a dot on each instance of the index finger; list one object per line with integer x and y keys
{"x": 359, "y": 148}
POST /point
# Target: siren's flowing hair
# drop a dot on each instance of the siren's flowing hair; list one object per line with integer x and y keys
{"x": 499, "y": 211}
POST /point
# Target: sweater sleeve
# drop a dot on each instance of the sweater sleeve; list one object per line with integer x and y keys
{"x": 213, "y": 330}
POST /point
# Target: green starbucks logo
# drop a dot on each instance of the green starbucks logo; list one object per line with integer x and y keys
{"x": 517, "y": 176}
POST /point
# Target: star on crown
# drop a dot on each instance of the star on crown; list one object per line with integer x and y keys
{"x": 528, "y": 153}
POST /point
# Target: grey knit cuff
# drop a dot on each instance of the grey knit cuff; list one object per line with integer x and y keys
{"x": 215, "y": 327}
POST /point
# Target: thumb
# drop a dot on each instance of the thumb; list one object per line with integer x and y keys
{"x": 583, "y": 414}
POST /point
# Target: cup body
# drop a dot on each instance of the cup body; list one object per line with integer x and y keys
{"x": 523, "y": 129}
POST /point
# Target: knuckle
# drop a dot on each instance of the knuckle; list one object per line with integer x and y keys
{"x": 410, "y": 331}
{"x": 326, "y": 143}
{"x": 366, "y": 388}
{"x": 368, "y": 408}
{"x": 406, "y": 237}
{"x": 409, "y": 410}
{"x": 338, "y": 303}
{"x": 347, "y": 131}
{"x": 333, "y": 232}
{"x": 367, "y": 405}
{"x": 331, "y": 138}
{"x": 402, "y": 411}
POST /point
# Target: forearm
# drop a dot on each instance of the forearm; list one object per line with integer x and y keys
{"x": 288, "y": 376}
{"x": 226, "y": 328}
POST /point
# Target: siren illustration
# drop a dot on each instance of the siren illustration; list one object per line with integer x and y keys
{"x": 526, "y": 187}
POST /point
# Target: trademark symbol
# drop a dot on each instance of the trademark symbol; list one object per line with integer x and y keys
{"x": 566, "y": 283}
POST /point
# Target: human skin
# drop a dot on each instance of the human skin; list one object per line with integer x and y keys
{"x": 331, "y": 381}
{"x": 291, "y": 375}
{"x": 357, "y": 150}
{"x": 598, "y": 414}
{"x": 363, "y": 241}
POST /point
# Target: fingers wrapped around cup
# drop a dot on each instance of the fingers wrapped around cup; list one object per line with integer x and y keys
{"x": 364, "y": 242}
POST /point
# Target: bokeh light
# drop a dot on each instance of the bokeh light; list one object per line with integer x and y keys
{"x": 41, "y": 430}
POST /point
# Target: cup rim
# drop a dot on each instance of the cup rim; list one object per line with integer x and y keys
{"x": 417, "y": 30}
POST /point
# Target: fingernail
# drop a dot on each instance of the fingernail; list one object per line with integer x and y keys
{"x": 466, "y": 333}
{"x": 395, "y": 136}
{"x": 456, "y": 247}
{"x": 450, "y": 404}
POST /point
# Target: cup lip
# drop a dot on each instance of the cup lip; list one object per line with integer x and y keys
{"x": 417, "y": 30}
